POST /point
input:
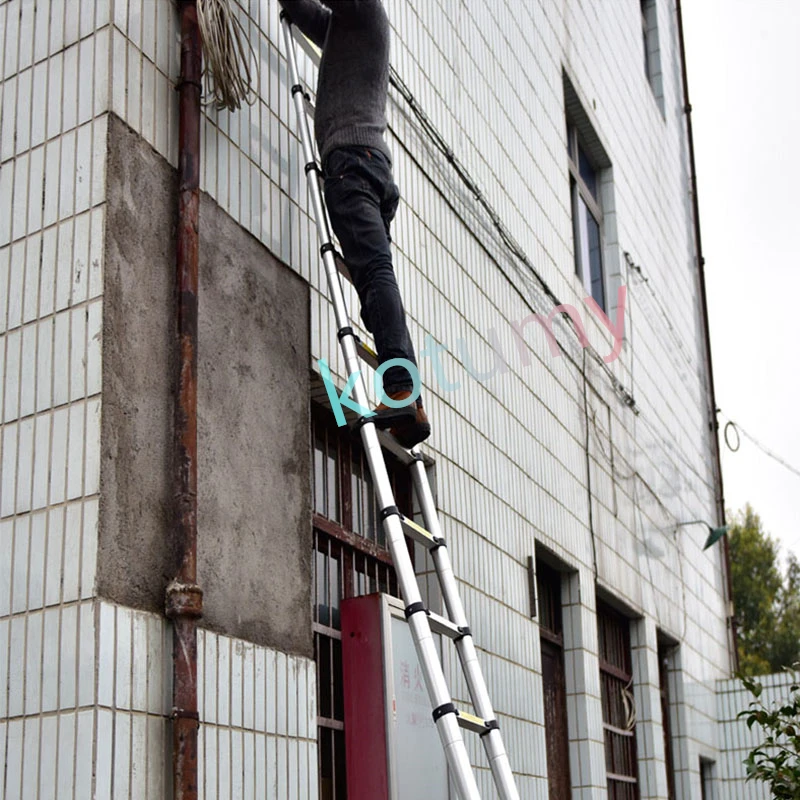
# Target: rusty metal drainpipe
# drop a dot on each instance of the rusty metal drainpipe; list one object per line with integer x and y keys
{"x": 184, "y": 600}
{"x": 701, "y": 263}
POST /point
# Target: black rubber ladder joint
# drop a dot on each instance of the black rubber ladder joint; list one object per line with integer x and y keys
{"x": 491, "y": 725}
{"x": 415, "y": 608}
{"x": 463, "y": 631}
{"x": 389, "y": 511}
{"x": 445, "y": 708}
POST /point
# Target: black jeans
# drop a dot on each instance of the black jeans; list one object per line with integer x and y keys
{"x": 362, "y": 199}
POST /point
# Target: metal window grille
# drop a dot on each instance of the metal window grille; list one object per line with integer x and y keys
{"x": 350, "y": 560}
{"x": 619, "y": 719}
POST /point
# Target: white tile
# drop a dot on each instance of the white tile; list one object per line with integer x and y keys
{"x": 55, "y": 545}
{"x": 54, "y": 91}
{"x": 139, "y": 748}
{"x": 27, "y": 387}
{"x": 50, "y": 201}
{"x": 83, "y": 168}
{"x": 72, "y": 551}
{"x": 68, "y": 661}
{"x": 94, "y": 332}
{"x": 13, "y": 366}
{"x": 122, "y": 756}
{"x": 44, "y": 365}
{"x": 13, "y": 782}
{"x": 50, "y": 659}
{"x": 6, "y": 195}
{"x": 83, "y": 756}
{"x": 105, "y": 662}
{"x": 30, "y": 757}
{"x": 77, "y": 357}
{"x": 19, "y": 225}
{"x": 24, "y": 466}
{"x": 119, "y": 72}
{"x": 105, "y": 757}
{"x": 96, "y": 248}
{"x": 9, "y": 119}
{"x": 66, "y": 197}
{"x": 58, "y": 455}
{"x": 4, "y": 643}
{"x": 71, "y": 24}
{"x": 30, "y": 301}
{"x": 66, "y": 755}
{"x": 63, "y": 295}
{"x": 41, "y": 33}
{"x": 102, "y": 88}
{"x": 33, "y": 664}
{"x": 57, "y": 25}
{"x": 140, "y": 657}
{"x": 24, "y": 95}
{"x": 89, "y": 548}
{"x": 36, "y": 560}
{"x": 86, "y": 655}
{"x": 75, "y": 452}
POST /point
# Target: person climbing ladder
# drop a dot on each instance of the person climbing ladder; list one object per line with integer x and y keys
{"x": 360, "y": 192}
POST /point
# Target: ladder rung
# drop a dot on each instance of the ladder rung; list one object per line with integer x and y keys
{"x": 419, "y": 534}
{"x": 402, "y": 454}
{"x": 309, "y": 106}
{"x": 367, "y": 353}
{"x": 469, "y": 722}
{"x": 442, "y": 625}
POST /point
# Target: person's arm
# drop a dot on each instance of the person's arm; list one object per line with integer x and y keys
{"x": 311, "y": 17}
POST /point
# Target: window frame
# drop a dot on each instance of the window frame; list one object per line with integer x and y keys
{"x": 616, "y": 674}
{"x": 579, "y": 190}
{"x": 551, "y": 636}
{"x": 336, "y": 540}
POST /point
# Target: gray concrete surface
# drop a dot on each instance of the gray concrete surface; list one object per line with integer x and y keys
{"x": 254, "y": 524}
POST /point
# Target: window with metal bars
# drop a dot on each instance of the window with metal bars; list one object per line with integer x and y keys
{"x": 551, "y": 634}
{"x": 619, "y": 714}
{"x": 350, "y": 560}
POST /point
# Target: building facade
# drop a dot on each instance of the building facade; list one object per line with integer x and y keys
{"x": 566, "y": 456}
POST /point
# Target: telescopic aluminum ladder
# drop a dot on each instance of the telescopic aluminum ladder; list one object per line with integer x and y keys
{"x": 422, "y": 622}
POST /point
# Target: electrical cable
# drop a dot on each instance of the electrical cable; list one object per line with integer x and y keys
{"x": 505, "y": 235}
{"x": 227, "y": 61}
{"x": 738, "y": 429}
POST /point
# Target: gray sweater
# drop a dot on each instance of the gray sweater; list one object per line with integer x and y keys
{"x": 353, "y": 73}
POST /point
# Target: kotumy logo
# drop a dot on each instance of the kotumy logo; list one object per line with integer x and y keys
{"x": 432, "y": 350}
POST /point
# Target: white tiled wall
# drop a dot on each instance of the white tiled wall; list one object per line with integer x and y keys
{"x": 52, "y": 171}
{"x": 737, "y": 739}
{"x": 510, "y": 451}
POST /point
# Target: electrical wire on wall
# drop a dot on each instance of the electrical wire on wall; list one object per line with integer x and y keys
{"x": 732, "y": 432}
{"x": 511, "y": 244}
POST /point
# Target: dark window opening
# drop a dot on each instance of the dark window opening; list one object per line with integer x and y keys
{"x": 350, "y": 560}
{"x": 664, "y": 660}
{"x": 548, "y": 590}
{"x": 707, "y": 769}
{"x": 619, "y": 716}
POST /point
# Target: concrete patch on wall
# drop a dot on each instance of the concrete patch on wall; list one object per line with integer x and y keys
{"x": 254, "y": 526}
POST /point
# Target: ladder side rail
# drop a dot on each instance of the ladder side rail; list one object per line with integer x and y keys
{"x": 447, "y": 724}
{"x": 467, "y": 653}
